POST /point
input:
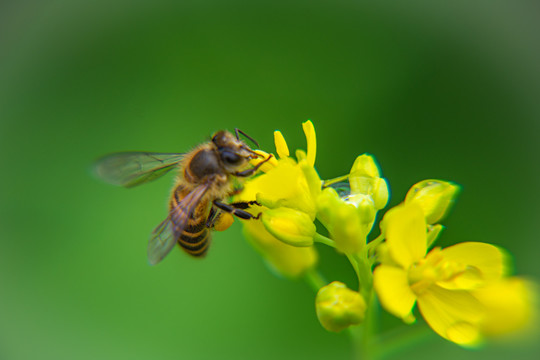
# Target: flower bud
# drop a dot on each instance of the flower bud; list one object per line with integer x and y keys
{"x": 339, "y": 307}
{"x": 364, "y": 179}
{"x": 327, "y": 201}
{"x": 365, "y": 206}
{"x": 435, "y": 197}
{"x": 365, "y": 165}
{"x": 291, "y": 226}
{"x": 343, "y": 221}
{"x": 348, "y": 231}
{"x": 380, "y": 193}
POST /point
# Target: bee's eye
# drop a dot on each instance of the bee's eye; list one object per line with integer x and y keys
{"x": 230, "y": 158}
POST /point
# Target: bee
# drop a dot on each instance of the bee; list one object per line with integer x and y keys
{"x": 205, "y": 179}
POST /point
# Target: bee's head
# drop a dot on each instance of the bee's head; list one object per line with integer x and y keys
{"x": 222, "y": 138}
{"x": 234, "y": 153}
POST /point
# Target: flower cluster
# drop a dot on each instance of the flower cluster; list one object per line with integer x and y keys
{"x": 464, "y": 292}
{"x": 286, "y": 192}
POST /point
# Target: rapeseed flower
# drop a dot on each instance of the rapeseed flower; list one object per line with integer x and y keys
{"x": 462, "y": 291}
{"x": 442, "y": 282}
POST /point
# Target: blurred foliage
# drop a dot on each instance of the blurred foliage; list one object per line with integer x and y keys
{"x": 445, "y": 91}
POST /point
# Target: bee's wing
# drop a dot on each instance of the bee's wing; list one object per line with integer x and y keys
{"x": 130, "y": 169}
{"x": 166, "y": 234}
{"x": 161, "y": 241}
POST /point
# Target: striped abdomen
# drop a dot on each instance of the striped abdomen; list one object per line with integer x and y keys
{"x": 194, "y": 238}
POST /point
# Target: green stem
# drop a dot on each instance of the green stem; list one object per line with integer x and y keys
{"x": 363, "y": 271}
{"x": 324, "y": 240}
{"x": 362, "y": 336}
{"x": 354, "y": 264}
{"x": 376, "y": 242}
{"x": 315, "y": 279}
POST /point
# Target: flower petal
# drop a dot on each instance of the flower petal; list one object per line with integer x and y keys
{"x": 511, "y": 307}
{"x": 483, "y": 263}
{"x": 281, "y": 145}
{"x": 268, "y": 164}
{"x": 284, "y": 259}
{"x": 312, "y": 178}
{"x": 284, "y": 185}
{"x": 453, "y": 314}
{"x": 405, "y": 228}
{"x": 395, "y": 295}
{"x": 309, "y": 131}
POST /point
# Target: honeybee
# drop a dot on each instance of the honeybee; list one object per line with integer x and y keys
{"x": 204, "y": 180}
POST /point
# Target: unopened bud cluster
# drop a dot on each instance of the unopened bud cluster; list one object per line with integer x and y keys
{"x": 339, "y": 307}
{"x": 349, "y": 219}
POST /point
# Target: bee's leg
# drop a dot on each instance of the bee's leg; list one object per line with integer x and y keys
{"x": 212, "y": 217}
{"x": 244, "y": 204}
{"x": 236, "y": 212}
{"x": 251, "y": 171}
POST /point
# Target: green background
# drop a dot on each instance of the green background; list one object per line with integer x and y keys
{"x": 448, "y": 91}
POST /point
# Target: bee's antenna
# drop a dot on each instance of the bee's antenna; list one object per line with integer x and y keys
{"x": 236, "y": 131}
{"x": 251, "y": 151}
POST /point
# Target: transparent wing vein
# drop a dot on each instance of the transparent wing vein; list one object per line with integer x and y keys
{"x": 130, "y": 169}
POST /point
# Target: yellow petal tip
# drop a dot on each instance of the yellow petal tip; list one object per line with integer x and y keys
{"x": 281, "y": 145}
{"x": 309, "y": 131}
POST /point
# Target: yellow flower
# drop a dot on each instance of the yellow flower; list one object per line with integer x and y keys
{"x": 339, "y": 307}
{"x": 442, "y": 281}
{"x": 286, "y": 182}
{"x": 286, "y": 186}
